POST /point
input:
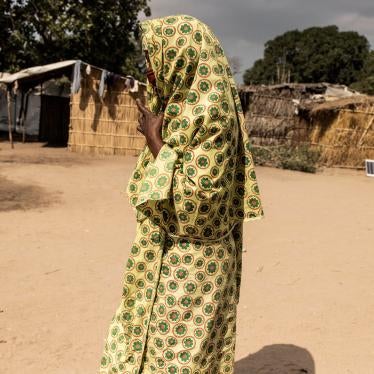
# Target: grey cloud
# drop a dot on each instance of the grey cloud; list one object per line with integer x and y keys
{"x": 244, "y": 26}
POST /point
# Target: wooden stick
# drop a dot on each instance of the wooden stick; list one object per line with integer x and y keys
{"x": 359, "y": 143}
{"x": 268, "y": 116}
{"x": 94, "y": 103}
{"x": 356, "y": 111}
{"x": 24, "y": 99}
{"x": 105, "y": 146}
{"x": 9, "y": 119}
{"x": 105, "y": 120}
{"x": 106, "y": 134}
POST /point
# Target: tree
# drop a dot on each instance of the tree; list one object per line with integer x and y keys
{"x": 235, "y": 64}
{"x": 365, "y": 84}
{"x": 315, "y": 54}
{"x": 101, "y": 32}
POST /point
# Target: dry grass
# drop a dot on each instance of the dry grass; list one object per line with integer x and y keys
{"x": 351, "y": 103}
{"x": 345, "y": 132}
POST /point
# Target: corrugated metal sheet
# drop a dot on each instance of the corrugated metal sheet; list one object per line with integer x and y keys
{"x": 36, "y": 70}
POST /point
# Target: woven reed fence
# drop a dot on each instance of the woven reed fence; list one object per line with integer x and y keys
{"x": 104, "y": 125}
{"x": 344, "y": 131}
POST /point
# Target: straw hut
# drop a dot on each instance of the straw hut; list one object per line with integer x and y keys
{"x": 344, "y": 130}
{"x": 333, "y": 118}
{"x": 72, "y": 103}
{"x": 273, "y": 114}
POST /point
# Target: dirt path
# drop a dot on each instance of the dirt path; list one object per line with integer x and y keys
{"x": 307, "y": 299}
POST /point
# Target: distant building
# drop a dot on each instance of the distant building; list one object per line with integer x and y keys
{"x": 75, "y": 104}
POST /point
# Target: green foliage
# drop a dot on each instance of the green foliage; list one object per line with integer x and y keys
{"x": 100, "y": 32}
{"x": 301, "y": 157}
{"x": 365, "y": 84}
{"x": 316, "y": 54}
{"x": 262, "y": 156}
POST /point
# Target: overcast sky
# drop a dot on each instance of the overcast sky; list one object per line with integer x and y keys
{"x": 243, "y": 26}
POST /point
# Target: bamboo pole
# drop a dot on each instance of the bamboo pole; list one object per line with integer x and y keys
{"x": 357, "y": 111}
{"x": 106, "y": 146}
{"x": 9, "y": 119}
{"x": 359, "y": 144}
{"x": 107, "y": 134}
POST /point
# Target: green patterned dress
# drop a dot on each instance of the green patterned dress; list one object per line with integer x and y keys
{"x": 182, "y": 280}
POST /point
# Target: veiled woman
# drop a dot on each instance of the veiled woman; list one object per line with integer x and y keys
{"x": 193, "y": 186}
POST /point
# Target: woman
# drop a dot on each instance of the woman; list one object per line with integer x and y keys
{"x": 193, "y": 186}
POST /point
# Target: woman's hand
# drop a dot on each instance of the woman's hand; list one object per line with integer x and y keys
{"x": 150, "y": 126}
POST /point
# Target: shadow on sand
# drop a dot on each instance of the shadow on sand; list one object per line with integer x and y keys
{"x": 277, "y": 359}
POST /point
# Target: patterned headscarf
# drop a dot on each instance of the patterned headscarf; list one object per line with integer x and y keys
{"x": 203, "y": 179}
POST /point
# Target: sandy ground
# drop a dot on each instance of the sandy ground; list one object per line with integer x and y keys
{"x": 307, "y": 299}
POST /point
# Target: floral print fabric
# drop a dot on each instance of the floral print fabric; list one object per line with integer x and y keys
{"x": 182, "y": 282}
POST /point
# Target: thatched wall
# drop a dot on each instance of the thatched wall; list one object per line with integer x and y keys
{"x": 291, "y": 115}
{"x": 271, "y": 112}
{"x": 104, "y": 125}
{"x": 344, "y": 131}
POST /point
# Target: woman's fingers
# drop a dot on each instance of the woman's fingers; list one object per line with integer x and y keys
{"x": 141, "y": 107}
{"x": 140, "y": 118}
{"x": 161, "y": 116}
{"x": 140, "y": 129}
{"x": 160, "y": 120}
